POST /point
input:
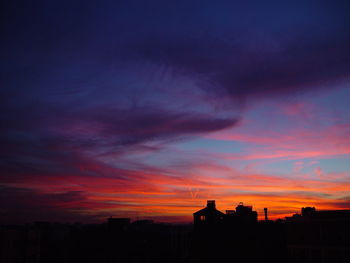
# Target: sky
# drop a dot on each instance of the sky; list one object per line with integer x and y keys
{"x": 146, "y": 109}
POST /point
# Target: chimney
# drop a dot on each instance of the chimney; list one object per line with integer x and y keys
{"x": 211, "y": 203}
{"x": 265, "y": 211}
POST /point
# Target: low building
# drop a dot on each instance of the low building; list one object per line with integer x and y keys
{"x": 208, "y": 216}
{"x": 319, "y": 236}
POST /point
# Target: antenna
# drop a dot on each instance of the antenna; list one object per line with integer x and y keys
{"x": 265, "y": 211}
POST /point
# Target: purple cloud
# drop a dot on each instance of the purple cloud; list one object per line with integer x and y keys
{"x": 284, "y": 67}
{"x": 20, "y": 205}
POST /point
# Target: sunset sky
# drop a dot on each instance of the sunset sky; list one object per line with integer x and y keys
{"x": 146, "y": 109}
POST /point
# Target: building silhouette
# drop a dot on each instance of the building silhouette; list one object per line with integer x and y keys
{"x": 208, "y": 216}
{"x": 310, "y": 236}
{"x": 319, "y": 236}
{"x": 215, "y": 233}
{"x": 244, "y": 214}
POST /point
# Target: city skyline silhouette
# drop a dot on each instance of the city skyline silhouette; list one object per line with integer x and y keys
{"x": 316, "y": 236}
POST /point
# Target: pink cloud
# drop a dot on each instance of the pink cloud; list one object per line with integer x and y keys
{"x": 153, "y": 193}
{"x": 291, "y": 144}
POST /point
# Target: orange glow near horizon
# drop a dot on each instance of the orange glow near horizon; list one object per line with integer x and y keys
{"x": 174, "y": 198}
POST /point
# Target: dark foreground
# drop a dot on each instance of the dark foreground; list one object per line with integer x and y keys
{"x": 313, "y": 237}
